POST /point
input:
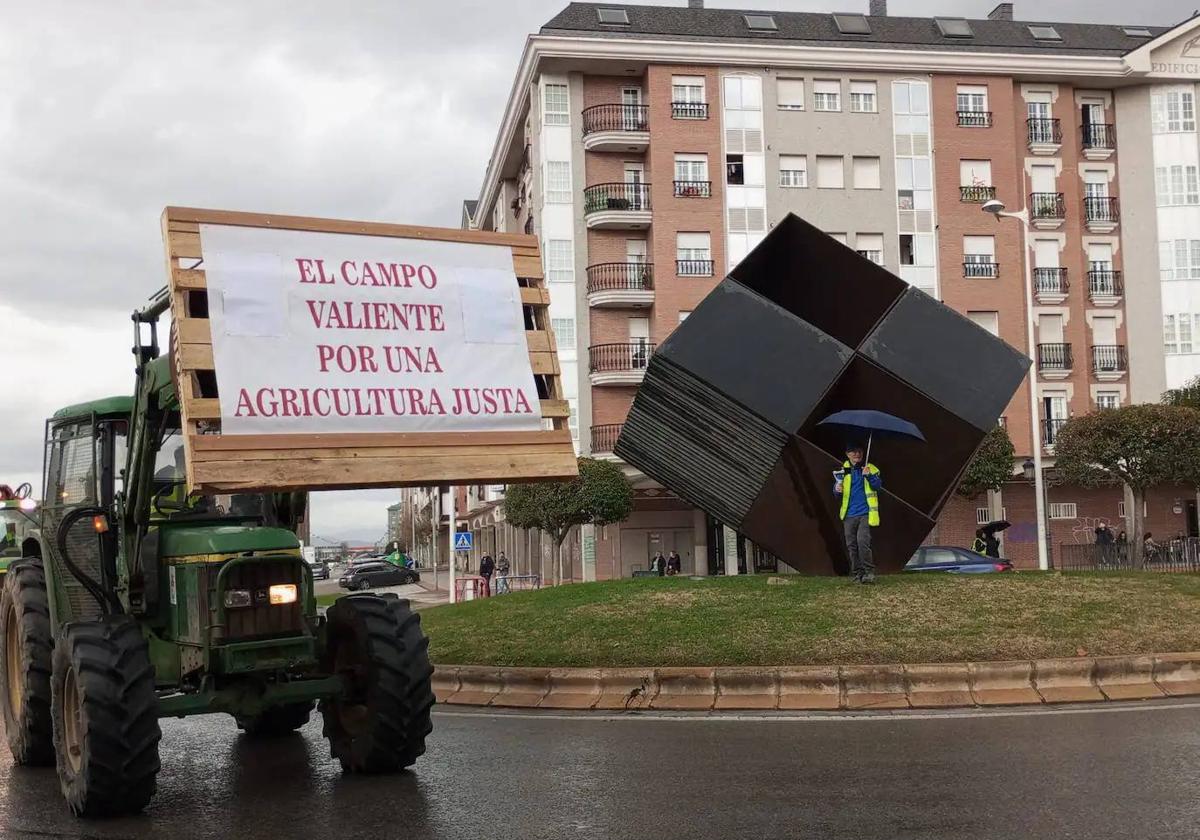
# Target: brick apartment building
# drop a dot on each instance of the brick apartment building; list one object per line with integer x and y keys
{"x": 650, "y": 148}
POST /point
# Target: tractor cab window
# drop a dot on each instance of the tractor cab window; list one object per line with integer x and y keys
{"x": 169, "y": 463}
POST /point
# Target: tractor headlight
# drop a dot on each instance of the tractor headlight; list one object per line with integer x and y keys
{"x": 235, "y": 598}
{"x": 282, "y": 593}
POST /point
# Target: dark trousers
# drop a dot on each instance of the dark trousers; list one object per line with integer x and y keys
{"x": 858, "y": 545}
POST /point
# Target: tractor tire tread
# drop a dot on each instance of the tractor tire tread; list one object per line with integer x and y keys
{"x": 31, "y": 738}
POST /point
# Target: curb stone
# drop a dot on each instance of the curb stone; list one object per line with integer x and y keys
{"x": 824, "y": 687}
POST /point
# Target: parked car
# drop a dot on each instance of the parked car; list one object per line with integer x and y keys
{"x": 320, "y": 571}
{"x": 945, "y": 558}
{"x": 369, "y": 575}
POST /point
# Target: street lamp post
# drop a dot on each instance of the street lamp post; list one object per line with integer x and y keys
{"x": 996, "y": 208}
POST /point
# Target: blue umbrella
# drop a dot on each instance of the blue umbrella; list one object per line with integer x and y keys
{"x": 859, "y": 421}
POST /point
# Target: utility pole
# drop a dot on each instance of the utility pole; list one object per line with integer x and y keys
{"x": 450, "y": 544}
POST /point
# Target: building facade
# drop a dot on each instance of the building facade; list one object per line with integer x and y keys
{"x": 651, "y": 148}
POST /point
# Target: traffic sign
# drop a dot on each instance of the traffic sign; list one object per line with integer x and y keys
{"x": 463, "y": 541}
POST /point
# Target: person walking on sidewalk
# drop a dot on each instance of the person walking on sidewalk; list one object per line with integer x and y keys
{"x": 858, "y": 483}
{"x": 503, "y": 568}
{"x": 486, "y": 566}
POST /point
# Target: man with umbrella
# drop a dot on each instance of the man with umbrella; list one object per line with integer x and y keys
{"x": 858, "y": 484}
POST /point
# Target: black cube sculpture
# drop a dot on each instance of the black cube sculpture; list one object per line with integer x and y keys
{"x": 727, "y": 415}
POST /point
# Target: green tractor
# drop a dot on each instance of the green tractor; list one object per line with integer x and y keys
{"x": 139, "y": 601}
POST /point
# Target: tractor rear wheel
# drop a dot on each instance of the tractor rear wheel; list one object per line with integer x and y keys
{"x": 379, "y": 721}
{"x": 106, "y": 730}
{"x": 26, "y": 652}
{"x": 275, "y": 721}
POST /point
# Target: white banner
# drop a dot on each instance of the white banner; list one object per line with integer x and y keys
{"x": 324, "y": 332}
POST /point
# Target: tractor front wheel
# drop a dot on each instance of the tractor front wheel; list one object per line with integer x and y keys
{"x": 379, "y": 721}
{"x": 106, "y": 729}
{"x": 275, "y": 721}
{"x": 26, "y": 651}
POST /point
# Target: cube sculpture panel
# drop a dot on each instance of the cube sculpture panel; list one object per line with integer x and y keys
{"x": 727, "y": 416}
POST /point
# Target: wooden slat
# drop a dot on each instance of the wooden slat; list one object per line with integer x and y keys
{"x": 183, "y": 227}
{"x": 348, "y": 473}
{"x": 266, "y": 220}
{"x": 529, "y": 267}
{"x": 544, "y": 364}
{"x": 205, "y": 409}
{"x": 195, "y": 357}
{"x": 538, "y": 341}
{"x": 238, "y": 443}
{"x": 189, "y": 278}
{"x": 535, "y": 296}
{"x": 194, "y": 330}
{"x": 556, "y": 408}
{"x": 183, "y": 245}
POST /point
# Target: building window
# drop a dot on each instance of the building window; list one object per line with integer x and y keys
{"x": 1173, "y": 111}
{"x": 564, "y": 332}
{"x": 972, "y": 99}
{"x": 1063, "y": 510}
{"x": 983, "y": 515}
{"x": 1108, "y": 399}
{"x": 914, "y": 183}
{"x": 1177, "y": 334}
{"x": 840, "y": 237}
{"x": 866, "y": 173}
{"x": 870, "y": 245}
{"x": 735, "y": 169}
{"x": 863, "y": 98}
{"x": 560, "y": 261}
{"x": 827, "y": 96}
{"x": 687, "y": 98}
{"x": 1176, "y": 185}
{"x": 1179, "y": 259}
{"x": 979, "y": 256}
{"x": 558, "y": 182}
{"x": 691, "y": 168}
{"x": 791, "y": 94}
{"x": 557, "y": 105}
{"x": 793, "y": 171}
{"x": 693, "y": 254}
{"x": 990, "y": 321}
{"x": 975, "y": 173}
{"x": 573, "y": 421}
{"x": 831, "y": 174}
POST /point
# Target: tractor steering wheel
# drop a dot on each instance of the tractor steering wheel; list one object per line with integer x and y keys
{"x": 157, "y": 502}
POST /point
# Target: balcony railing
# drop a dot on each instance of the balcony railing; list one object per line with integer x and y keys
{"x": 1042, "y": 131}
{"x": 694, "y": 268}
{"x": 620, "y": 276}
{"x": 1101, "y": 208}
{"x": 1047, "y": 206}
{"x": 1109, "y": 358}
{"x": 1050, "y": 429}
{"x": 689, "y": 110}
{"x": 693, "y": 189}
{"x": 604, "y": 438}
{"x": 1105, "y": 283}
{"x": 981, "y": 269}
{"x": 609, "y": 358}
{"x": 977, "y": 194}
{"x": 1050, "y": 281}
{"x": 617, "y": 117}
{"x": 1098, "y": 136}
{"x": 616, "y": 196}
{"x": 1054, "y": 357}
{"x": 975, "y": 119}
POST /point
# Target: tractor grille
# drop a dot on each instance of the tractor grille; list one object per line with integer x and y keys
{"x": 264, "y": 620}
{"x": 83, "y": 543}
{"x": 72, "y": 484}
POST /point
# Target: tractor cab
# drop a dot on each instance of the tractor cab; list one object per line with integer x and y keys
{"x": 18, "y": 524}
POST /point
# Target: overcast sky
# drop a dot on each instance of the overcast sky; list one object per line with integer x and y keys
{"x": 363, "y": 110}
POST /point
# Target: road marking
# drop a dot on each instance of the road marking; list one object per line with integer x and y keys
{"x": 826, "y": 717}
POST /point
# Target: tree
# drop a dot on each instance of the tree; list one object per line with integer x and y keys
{"x": 601, "y": 495}
{"x": 1137, "y": 447}
{"x": 991, "y": 466}
{"x": 1188, "y": 395}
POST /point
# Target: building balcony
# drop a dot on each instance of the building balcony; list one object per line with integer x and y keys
{"x": 976, "y": 194}
{"x": 620, "y": 285}
{"x": 619, "y": 364}
{"x": 981, "y": 268}
{"x": 1050, "y": 429}
{"x": 1044, "y": 136}
{"x": 1055, "y": 361}
{"x": 1109, "y": 362}
{"x": 616, "y": 128}
{"x": 975, "y": 119}
{"x": 689, "y": 110}
{"x": 1099, "y": 140}
{"x": 1105, "y": 287}
{"x": 1047, "y": 211}
{"x": 693, "y": 189}
{"x": 694, "y": 268}
{"x": 1101, "y": 213}
{"x": 604, "y": 440}
{"x": 1050, "y": 285}
{"x": 617, "y": 206}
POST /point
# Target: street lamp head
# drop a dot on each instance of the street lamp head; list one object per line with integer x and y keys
{"x": 994, "y": 206}
{"x": 1028, "y": 469}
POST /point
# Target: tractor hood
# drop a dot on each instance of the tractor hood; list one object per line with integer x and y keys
{"x": 178, "y": 541}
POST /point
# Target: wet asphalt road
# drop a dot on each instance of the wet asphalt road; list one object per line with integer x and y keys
{"x": 1106, "y": 772}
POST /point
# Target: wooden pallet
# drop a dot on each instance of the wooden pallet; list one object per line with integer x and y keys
{"x": 218, "y": 463}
